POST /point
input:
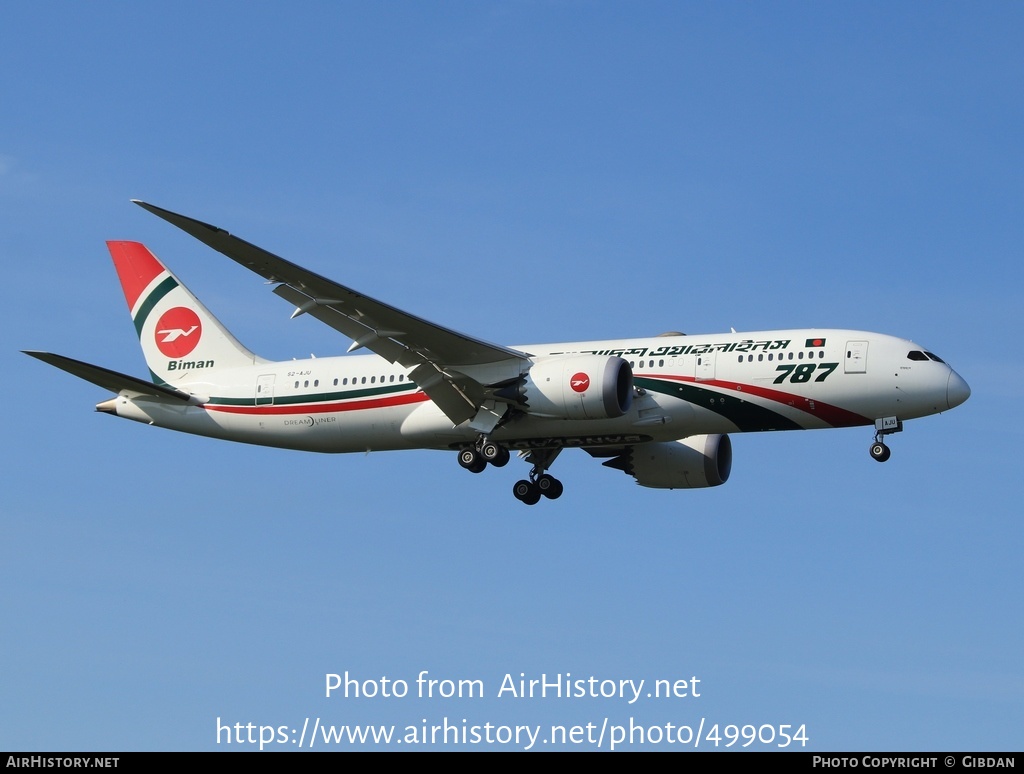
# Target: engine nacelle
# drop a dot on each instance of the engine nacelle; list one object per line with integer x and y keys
{"x": 692, "y": 463}
{"x": 579, "y": 387}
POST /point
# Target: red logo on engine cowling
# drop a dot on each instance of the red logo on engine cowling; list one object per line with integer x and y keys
{"x": 178, "y": 331}
{"x": 579, "y": 382}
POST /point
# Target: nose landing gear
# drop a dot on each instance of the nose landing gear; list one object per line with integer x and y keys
{"x": 883, "y": 427}
{"x": 880, "y": 451}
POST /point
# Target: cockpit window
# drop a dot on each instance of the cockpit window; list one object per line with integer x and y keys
{"x": 916, "y": 355}
{"x": 936, "y": 358}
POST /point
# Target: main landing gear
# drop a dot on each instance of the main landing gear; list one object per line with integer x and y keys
{"x": 475, "y": 459}
{"x": 539, "y": 484}
{"x": 530, "y": 491}
{"x": 884, "y": 427}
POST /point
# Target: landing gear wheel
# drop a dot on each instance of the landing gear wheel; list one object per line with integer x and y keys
{"x": 549, "y": 486}
{"x": 491, "y": 451}
{"x": 471, "y": 460}
{"x": 539, "y": 484}
{"x": 502, "y": 459}
{"x": 526, "y": 492}
{"x": 880, "y": 451}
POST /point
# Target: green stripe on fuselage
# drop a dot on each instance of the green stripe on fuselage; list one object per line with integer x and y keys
{"x": 747, "y": 416}
{"x": 320, "y": 397}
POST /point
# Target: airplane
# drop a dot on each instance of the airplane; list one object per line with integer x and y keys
{"x": 660, "y": 408}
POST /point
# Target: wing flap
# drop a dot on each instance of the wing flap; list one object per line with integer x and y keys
{"x": 360, "y": 329}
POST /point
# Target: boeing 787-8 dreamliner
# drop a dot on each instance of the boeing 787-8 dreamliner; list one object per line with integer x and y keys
{"x": 658, "y": 408}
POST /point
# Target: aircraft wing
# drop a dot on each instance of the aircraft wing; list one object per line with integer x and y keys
{"x": 433, "y": 352}
{"x": 111, "y": 380}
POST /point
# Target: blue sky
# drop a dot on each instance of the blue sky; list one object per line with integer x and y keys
{"x": 524, "y": 172}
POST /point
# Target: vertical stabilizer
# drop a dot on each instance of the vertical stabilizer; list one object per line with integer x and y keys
{"x": 180, "y": 339}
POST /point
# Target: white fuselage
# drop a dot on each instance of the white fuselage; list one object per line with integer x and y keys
{"x": 684, "y": 386}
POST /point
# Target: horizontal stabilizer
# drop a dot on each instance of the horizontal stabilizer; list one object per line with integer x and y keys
{"x": 111, "y": 380}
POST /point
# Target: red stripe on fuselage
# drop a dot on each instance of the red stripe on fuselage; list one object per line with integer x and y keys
{"x": 322, "y": 408}
{"x": 834, "y": 415}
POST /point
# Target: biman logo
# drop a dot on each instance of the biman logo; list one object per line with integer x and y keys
{"x": 178, "y": 332}
{"x": 579, "y": 382}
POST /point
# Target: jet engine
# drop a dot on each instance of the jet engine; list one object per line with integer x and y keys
{"x": 578, "y": 387}
{"x": 692, "y": 463}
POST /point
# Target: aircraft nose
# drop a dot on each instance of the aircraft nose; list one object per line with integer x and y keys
{"x": 957, "y": 390}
